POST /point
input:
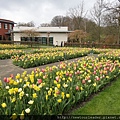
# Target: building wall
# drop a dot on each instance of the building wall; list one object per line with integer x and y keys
{"x": 5, "y": 33}
{"x": 57, "y": 37}
{"x": 59, "y": 34}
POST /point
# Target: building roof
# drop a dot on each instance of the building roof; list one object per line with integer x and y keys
{"x": 42, "y": 29}
{"x": 7, "y": 21}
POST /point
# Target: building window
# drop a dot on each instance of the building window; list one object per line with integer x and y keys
{"x": 0, "y": 25}
{"x": 51, "y": 40}
{"x": 44, "y": 40}
{"x": 5, "y": 26}
{"x": 10, "y": 26}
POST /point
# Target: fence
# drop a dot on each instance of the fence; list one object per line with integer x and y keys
{"x": 66, "y": 44}
{"x": 90, "y": 45}
{"x": 30, "y": 43}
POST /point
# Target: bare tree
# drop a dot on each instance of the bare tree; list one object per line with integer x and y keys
{"x": 31, "y": 33}
{"x": 97, "y": 15}
{"x": 29, "y": 24}
{"x": 113, "y": 16}
{"x": 77, "y": 14}
{"x": 45, "y": 25}
{"x": 58, "y": 21}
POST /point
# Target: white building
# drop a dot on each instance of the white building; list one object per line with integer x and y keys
{"x": 47, "y": 35}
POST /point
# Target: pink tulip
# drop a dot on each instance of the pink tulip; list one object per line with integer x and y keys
{"x": 39, "y": 81}
{"x": 94, "y": 68}
{"x": 97, "y": 78}
{"x": 67, "y": 74}
{"x": 58, "y": 92}
{"x": 50, "y": 69}
{"x": 83, "y": 81}
{"x": 74, "y": 68}
{"x": 57, "y": 78}
{"x": 78, "y": 72}
{"x": 70, "y": 75}
{"x": 94, "y": 72}
{"x": 77, "y": 88}
{"x": 75, "y": 73}
{"x": 43, "y": 70}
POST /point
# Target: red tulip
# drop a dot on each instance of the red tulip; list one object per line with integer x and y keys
{"x": 5, "y": 79}
{"x": 11, "y": 75}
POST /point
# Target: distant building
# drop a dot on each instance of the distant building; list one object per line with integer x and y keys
{"x": 56, "y": 36}
{"x": 6, "y": 26}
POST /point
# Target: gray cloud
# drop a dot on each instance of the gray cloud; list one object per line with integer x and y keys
{"x": 39, "y": 11}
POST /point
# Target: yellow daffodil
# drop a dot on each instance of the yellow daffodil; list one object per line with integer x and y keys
{"x": 11, "y": 91}
{"x": 49, "y": 92}
{"x": 3, "y": 105}
{"x": 15, "y": 90}
{"x": 63, "y": 95}
{"x": 13, "y": 100}
{"x": 35, "y": 95}
{"x": 21, "y": 94}
{"x": 18, "y": 76}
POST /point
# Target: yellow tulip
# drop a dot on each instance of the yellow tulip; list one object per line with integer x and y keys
{"x": 58, "y": 85}
{"x": 67, "y": 95}
{"x": 59, "y": 100}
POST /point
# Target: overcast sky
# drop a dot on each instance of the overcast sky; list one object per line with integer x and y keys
{"x": 38, "y": 11}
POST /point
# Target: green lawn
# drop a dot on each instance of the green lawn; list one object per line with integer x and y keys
{"x": 106, "y": 102}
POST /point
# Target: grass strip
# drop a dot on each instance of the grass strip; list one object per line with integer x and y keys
{"x": 106, "y": 102}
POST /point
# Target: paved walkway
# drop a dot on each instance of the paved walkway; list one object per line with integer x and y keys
{"x": 7, "y": 68}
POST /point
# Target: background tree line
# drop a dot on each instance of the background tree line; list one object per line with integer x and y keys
{"x": 101, "y": 24}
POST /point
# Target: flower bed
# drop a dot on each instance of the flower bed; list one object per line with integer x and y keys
{"x": 11, "y": 46}
{"x": 59, "y": 49}
{"x": 112, "y": 55}
{"x": 33, "y": 60}
{"x": 6, "y": 54}
{"x": 53, "y": 90}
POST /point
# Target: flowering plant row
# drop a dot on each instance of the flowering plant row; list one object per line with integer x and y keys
{"x": 33, "y": 60}
{"x": 11, "y": 46}
{"x": 6, "y": 54}
{"x": 59, "y": 49}
{"x": 54, "y": 90}
{"x": 112, "y": 55}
